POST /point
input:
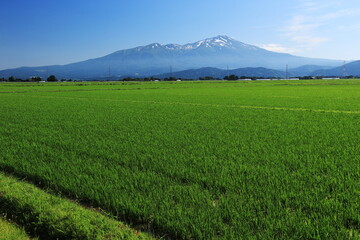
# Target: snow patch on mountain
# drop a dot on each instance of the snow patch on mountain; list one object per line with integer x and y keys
{"x": 219, "y": 41}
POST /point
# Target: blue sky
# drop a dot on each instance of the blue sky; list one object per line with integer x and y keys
{"x": 46, "y": 32}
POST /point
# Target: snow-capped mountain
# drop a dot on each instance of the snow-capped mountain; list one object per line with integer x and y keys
{"x": 219, "y": 52}
{"x": 220, "y": 42}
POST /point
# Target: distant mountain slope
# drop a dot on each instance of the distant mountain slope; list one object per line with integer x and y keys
{"x": 306, "y": 70}
{"x": 352, "y": 68}
{"x": 153, "y": 59}
{"x": 220, "y": 73}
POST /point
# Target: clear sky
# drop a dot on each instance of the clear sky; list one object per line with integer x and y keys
{"x": 46, "y": 32}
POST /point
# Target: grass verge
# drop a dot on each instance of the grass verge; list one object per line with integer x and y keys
{"x": 52, "y": 217}
{"x": 9, "y": 231}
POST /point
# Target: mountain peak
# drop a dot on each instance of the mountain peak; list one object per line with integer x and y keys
{"x": 218, "y": 41}
{"x": 153, "y": 45}
{"x": 222, "y": 41}
{"x": 223, "y": 37}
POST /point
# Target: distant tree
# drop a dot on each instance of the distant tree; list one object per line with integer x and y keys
{"x": 52, "y": 78}
{"x": 207, "y": 78}
{"x": 170, "y": 79}
{"x": 35, "y": 79}
{"x": 154, "y": 78}
{"x": 244, "y": 77}
{"x": 11, "y": 79}
{"x": 127, "y": 79}
{"x": 306, "y": 77}
{"x": 231, "y": 77}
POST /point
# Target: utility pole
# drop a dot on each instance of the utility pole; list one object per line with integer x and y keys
{"x": 170, "y": 71}
{"x": 109, "y": 72}
{"x": 227, "y": 69}
{"x": 287, "y": 72}
{"x": 344, "y": 69}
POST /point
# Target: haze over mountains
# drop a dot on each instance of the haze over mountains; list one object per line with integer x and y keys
{"x": 220, "y": 73}
{"x": 352, "y": 68}
{"x": 258, "y": 72}
{"x": 154, "y": 59}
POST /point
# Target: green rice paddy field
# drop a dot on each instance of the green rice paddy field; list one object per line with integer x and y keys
{"x": 195, "y": 160}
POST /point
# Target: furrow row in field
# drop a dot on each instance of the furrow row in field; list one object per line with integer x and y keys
{"x": 206, "y": 105}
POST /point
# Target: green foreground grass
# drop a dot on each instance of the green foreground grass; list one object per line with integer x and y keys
{"x": 10, "y": 231}
{"x": 195, "y": 160}
{"x": 52, "y": 217}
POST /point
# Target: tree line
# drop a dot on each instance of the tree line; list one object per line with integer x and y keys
{"x": 51, "y": 78}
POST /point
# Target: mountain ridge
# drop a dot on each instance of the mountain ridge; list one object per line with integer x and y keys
{"x": 352, "y": 68}
{"x": 155, "y": 58}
